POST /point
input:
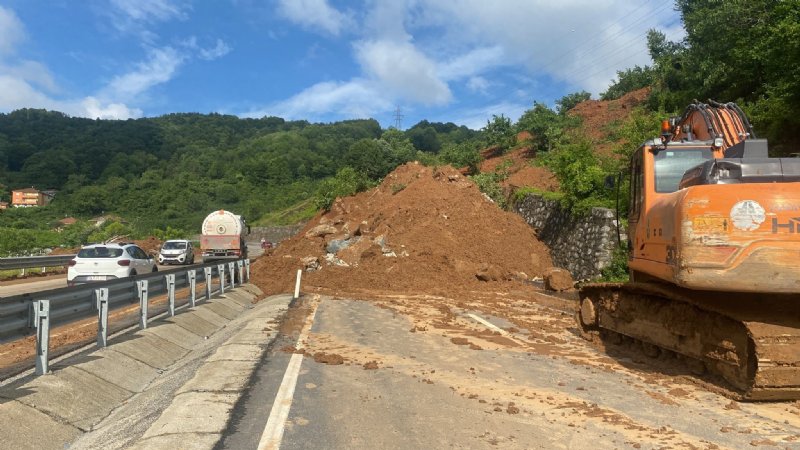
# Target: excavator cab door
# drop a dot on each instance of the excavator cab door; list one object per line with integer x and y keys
{"x": 636, "y": 199}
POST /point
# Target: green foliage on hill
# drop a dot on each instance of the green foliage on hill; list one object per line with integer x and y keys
{"x": 741, "y": 51}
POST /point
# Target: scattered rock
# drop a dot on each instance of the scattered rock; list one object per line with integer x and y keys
{"x": 372, "y": 365}
{"x": 489, "y": 272}
{"x": 335, "y": 245}
{"x": 330, "y": 258}
{"x": 732, "y": 406}
{"x": 310, "y": 263}
{"x": 459, "y": 341}
{"x": 321, "y": 230}
{"x": 330, "y": 359}
{"x": 557, "y": 279}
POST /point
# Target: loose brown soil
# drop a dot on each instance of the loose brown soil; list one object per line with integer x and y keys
{"x": 431, "y": 237}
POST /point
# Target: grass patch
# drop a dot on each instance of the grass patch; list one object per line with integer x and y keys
{"x": 300, "y": 212}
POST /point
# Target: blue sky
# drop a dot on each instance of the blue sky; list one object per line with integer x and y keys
{"x": 321, "y": 60}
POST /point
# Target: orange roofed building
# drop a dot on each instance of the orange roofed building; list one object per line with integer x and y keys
{"x": 28, "y": 197}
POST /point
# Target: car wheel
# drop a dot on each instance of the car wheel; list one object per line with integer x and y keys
{"x": 133, "y": 272}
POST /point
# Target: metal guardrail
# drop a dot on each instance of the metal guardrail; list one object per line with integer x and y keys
{"x": 70, "y": 304}
{"x": 30, "y": 262}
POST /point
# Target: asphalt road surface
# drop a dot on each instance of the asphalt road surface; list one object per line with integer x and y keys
{"x": 465, "y": 384}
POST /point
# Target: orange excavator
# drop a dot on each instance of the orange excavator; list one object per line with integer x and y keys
{"x": 714, "y": 255}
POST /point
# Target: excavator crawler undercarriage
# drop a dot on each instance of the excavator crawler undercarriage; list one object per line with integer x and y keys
{"x": 750, "y": 340}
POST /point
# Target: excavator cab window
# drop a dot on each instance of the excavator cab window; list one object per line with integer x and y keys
{"x": 671, "y": 164}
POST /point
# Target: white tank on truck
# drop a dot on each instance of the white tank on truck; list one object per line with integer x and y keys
{"x": 223, "y": 236}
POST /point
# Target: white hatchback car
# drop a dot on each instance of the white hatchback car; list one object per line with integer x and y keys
{"x": 101, "y": 262}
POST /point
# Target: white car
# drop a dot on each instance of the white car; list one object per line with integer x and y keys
{"x": 176, "y": 251}
{"x": 101, "y": 262}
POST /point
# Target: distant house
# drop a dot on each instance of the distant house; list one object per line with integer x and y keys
{"x": 3, "y": 205}
{"x": 29, "y": 197}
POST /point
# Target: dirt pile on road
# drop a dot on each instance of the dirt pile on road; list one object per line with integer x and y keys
{"x": 423, "y": 230}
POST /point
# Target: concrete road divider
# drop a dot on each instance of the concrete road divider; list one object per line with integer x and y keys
{"x": 173, "y": 383}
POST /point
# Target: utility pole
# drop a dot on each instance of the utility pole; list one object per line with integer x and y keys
{"x": 398, "y": 118}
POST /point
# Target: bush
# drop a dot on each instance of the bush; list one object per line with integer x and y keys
{"x": 581, "y": 174}
{"x": 617, "y": 271}
{"x": 346, "y": 182}
{"x": 489, "y": 184}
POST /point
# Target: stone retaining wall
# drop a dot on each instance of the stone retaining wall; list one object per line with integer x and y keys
{"x": 583, "y": 245}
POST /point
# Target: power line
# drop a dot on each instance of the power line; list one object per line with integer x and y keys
{"x": 598, "y": 44}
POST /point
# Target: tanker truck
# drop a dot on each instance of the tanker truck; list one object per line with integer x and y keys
{"x": 223, "y": 237}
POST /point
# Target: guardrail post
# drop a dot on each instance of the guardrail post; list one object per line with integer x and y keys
{"x": 247, "y": 268}
{"x": 233, "y": 274}
{"x": 207, "y": 273}
{"x": 297, "y": 284}
{"x": 142, "y": 288}
{"x": 240, "y": 268}
{"x": 221, "y": 272}
{"x": 41, "y": 310}
{"x": 171, "y": 293}
{"x": 101, "y": 295}
{"x": 192, "y": 274}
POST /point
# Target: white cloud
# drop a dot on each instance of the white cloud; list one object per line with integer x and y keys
{"x": 16, "y": 93}
{"x": 29, "y": 84}
{"x": 149, "y": 10}
{"x": 478, "y": 84}
{"x": 218, "y": 51}
{"x": 93, "y": 108}
{"x": 405, "y": 70}
{"x": 136, "y": 17}
{"x": 11, "y": 31}
{"x": 315, "y": 15}
{"x": 32, "y": 72}
{"x": 581, "y": 42}
{"x": 160, "y": 67}
{"x": 354, "y": 99}
{"x": 472, "y": 63}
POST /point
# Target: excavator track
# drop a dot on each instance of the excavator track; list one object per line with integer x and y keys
{"x": 752, "y": 341}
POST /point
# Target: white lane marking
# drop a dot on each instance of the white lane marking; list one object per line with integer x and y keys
{"x": 276, "y": 423}
{"x": 488, "y": 324}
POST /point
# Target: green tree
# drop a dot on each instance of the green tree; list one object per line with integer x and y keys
{"x": 465, "y": 154}
{"x": 569, "y": 101}
{"x": 546, "y": 126}
{"x": 499, "y": 132}
{"x": 629, "y": 80}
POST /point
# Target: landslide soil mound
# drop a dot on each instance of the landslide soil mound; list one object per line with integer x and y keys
{"x": 423, "y": 231}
